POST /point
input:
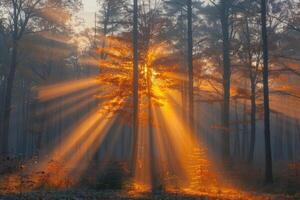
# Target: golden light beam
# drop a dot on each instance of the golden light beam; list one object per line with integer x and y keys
{"x": 78, "y": 132}
{"x": 69, "y": 101}
{"x": 79, "y": 147}
{"x": 111, "y": 146}
{"x": 288, "y": 106}
{"x": 142, "y": 175}
{"x": 79, "y": 160}
{"x": 69, "y": 111}
{"x": 62, "y": 89}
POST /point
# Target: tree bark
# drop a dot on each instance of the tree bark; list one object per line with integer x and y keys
{"x": 2, "y": 101}
{"x": 245, "y": 131}
{"x": 190, "y": 63}
{"x": 268, "y": 152}
{"x": 135, "y": 86}
{"x": 237, "y": 150}
{"x": 8, "y": 96}
{"x": 226, "y": 79}
{"x": 252, "y": 76}
{"x": 253, "y": 121}
{"x": 155, "y": 177}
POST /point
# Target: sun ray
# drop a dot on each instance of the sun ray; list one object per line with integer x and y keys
{"x": 68, "y": 101}
{"x": 50, "y": 92}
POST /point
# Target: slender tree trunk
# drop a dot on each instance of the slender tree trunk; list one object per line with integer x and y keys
{"x": 245, "y": 130}
{"x": 252, "y": 76}
{"x": 24, "y": 119}
{"x": 135, "y": 88}
{"x": 226, "y": 79}
{"x": 102, "y": 56}
{"x": 26, "y": 123}
{"x": 8, "y": 95}
{"x": 190, "y": 63}
{"x": 237, "y": 145}
{"x": 183, "y": 99}
{"x": 268, "y": 152}
{"x": 253, "y": 121}
{"x": 2, "y": 99}
{"x": 155, "y": 178}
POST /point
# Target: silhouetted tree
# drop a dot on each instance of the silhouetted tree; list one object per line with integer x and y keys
{"x": 268, "y": 164}
{"x": 24, "y": 16}
{"x": 224, "y": 9}
{"x": 190, "y": 63}
{"x": 135, "y": 89}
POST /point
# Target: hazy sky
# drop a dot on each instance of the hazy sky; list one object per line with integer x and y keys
{"x": 89, "y": 5}
{"x": 88, "y": 13}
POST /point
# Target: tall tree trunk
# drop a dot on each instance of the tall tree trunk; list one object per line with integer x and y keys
{"x": 245, "y": 130}
{"x": 253, "y": 120}
{"x": 190, "y": 63}
{"x": 103, "y": 57}
{"x": 25, "y": 122}
{"x": 183, "y": 99}
{"x": 237, "y": 145}
{"x": 2, "y": 101}
{"x": 155, "y": 178}
{"x": 268, "y": 152}
{"x": 135, "y": 88}
{"x": 226, "y": 79}
{"x": 8, "y": 95}
{"x": 252, "y": 76}
{"x": 24, "y": 118}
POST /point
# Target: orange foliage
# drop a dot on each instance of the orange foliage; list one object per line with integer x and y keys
{"x": 116, "y": 76}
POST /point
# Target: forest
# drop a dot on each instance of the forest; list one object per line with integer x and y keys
{"x": 150, "y": 99}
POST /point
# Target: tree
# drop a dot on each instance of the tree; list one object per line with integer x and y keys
{"x": 176, "y": 32}
{"x": 253, "y": 73}
{"x": 135, "y": 125}
{"x": 113, "y": 16}
{"x": 4, "y": 53}
{"x": 19, "y": 25}
{"x": 25, "y": 17}
{"x": 268, "y": 153}
{"x": 190, "y": 63}
{"x": 183, "y": 31}
{"x": 249, "y": 55}
{"x": 224, "y": 9}
{"x": 154, "y": 66}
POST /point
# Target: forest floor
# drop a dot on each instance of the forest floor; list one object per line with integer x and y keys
{"x": 13, "y": 186}
{"x": 116, "y": 195}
